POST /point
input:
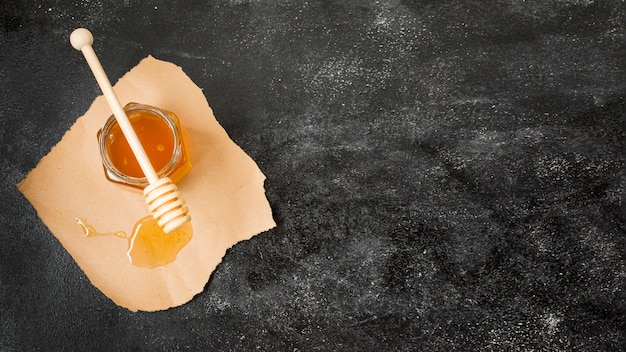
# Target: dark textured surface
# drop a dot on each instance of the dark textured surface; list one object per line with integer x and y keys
{"x": 445, "y": 175}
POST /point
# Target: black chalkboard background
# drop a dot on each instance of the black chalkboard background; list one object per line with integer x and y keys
{"x": 445, "y": 175}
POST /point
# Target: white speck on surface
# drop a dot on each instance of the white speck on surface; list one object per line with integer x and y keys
{"x": 551, "y": 322}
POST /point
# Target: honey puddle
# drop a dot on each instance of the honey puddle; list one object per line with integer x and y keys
{"x": 148, "y": 246}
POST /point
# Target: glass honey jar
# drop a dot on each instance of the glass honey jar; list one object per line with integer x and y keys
{"x": 161, "y": 136}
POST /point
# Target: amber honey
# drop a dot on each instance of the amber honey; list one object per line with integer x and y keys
{"x": 161, "y": 137}
{"x": 155, "y": 136}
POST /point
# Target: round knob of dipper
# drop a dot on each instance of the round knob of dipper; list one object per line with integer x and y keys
{"x": 80, "y": 38}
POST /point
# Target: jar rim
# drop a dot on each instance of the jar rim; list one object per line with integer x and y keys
{"x": 113, "y": 171}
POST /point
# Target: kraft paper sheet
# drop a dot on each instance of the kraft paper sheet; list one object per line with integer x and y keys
{"x": 224, "y": 192}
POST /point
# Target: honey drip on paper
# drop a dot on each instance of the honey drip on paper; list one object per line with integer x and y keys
{"x": 148, "y": 246}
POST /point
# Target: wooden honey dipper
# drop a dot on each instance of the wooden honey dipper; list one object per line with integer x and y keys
{"x": 162, "y": 195}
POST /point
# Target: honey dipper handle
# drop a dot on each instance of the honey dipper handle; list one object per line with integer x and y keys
{"x": 162, "y": 195}
{"x": 82, "y": 39}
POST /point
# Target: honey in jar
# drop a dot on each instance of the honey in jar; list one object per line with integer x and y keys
{"x": 161, "y": 136}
